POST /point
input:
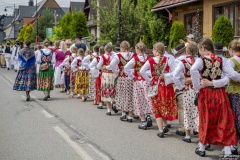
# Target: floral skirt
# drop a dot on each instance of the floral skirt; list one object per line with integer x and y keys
{"x": 92, "y": 87}
{"x": 82, "y": 82}
{"x": 108, "y": 87}
{"x": 142, "y": 104}
{"x": 235, "y": 103}
{"x": 45, "y": 79}
{"x": 26, "y": 80}
{"x": 164, "y": 104}
{"x": 191, "y": 119}
{"x": 216, "y": 118}
{"x": 124, "y": 94}
{"x": 67, "y": 79}
{"x": 98, "y": 89}
{"x": 72, "y": 79}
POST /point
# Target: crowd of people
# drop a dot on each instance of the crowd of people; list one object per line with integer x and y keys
{"x": 198, "y": 85}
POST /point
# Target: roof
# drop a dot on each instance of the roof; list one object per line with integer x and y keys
{"x": 165, "y": 4}
{"x": 65, "y": 9}
{"x": 7, "y": 20}
{"x": 78, "y": 6}
{"x": 25, "y": 11}
{"x": 28, "y": 20}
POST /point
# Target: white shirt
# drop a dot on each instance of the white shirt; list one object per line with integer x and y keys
{"x": 100, "y": 63}
{"x": 168, "y": 79}
{"x": 231, "y": 63}
{"x": 74, "y": 66}
{"x": 16, "y": 49}
{"x": 227, "y": 72}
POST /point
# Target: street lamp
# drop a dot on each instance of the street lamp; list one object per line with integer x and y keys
{"x": 119, "y": 26}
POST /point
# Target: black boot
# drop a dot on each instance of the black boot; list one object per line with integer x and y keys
{"x": 45, "y": 98}
{"x": 28, "y": 95}
{"x": 149, "y": 121}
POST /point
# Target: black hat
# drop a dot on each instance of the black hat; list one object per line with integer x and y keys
{"x": 180, "y": 49}
{"x": 218, "y": 47}
{"x": 78, "y": 36}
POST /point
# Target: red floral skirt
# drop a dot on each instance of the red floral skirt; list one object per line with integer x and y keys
{"x": 164, "y": 104}
{"x": 98, "y": 89}
{"x": 216, "y": 118}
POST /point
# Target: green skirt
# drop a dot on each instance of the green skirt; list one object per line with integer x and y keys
{"x": 45, "y": 79}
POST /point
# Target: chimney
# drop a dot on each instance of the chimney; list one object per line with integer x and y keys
{"x": 30, "y": 3}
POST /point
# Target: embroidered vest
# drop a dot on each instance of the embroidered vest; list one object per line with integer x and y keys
{"x": 187, "y": 65}
{"x": 79, "y": 61}
{"x": 159, "y": 68}
{"x": 233, "y": 86}
{"x": 138, "y": 65}
{"x": 212, "y": 68}
{"x": 46, "y": 58}
{"x": 121, "y": 64}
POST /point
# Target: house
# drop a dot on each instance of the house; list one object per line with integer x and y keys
{"x": 4, "y": 21}
{"x": 209, "y": 10}
{"x": 76, "y": 6}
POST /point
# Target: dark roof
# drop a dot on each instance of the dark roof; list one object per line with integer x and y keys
{"x": 65, "y": 9}
{"x": 59, "y": 11}
{"x": 78, "y": 6}
{"x": 7, "y": 20}
{"x": 164, "y": 4}
{"x": 25, "y": 11}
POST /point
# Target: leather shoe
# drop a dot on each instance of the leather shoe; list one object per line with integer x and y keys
{"x": 200, "y": 153}
{"x": 180, "y": 133}
{"x": 160, "y": 134}
{"x": 235, "y": 151}
{"x": 100, "y": 107}
{"x": 149, "y": 121}
{"x": 129, "y": 120}
{"x": 165, "y": 129}
{"x": 195, "y": 133}
{"x": 141, "y": 126}
{"x": 188, "y": 140}
{"x": 123, "y": 118}
{"x": 114, "y": 109}
{"x": 45, "y": 98}
{"x": 109, "y": 113}
{"x": 207, "y": 146}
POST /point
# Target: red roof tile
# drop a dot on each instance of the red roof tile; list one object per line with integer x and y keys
{"x": 164, "y": 3}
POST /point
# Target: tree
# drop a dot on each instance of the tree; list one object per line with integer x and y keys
{"x": 65, "y": 24}
{"x": 46, "y": 20}
{"x": 196, "y": 30}
{"x": 25, "y": 33}
{"x": 79, "y": 24}
{"x": 177, "y": 32}
{"x": 223, "y": 31}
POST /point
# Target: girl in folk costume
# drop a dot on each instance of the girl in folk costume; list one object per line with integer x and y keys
{"x": 81, "y": 80}
{"x": 164, "y": 103}
{"x": 216, "y": 118}
{"x": 46, "y": 60}
{"x": 97, "y": 74}
{"x": 108, "y": 91}
{"x": 60, "y": 56}
{"x": 142, "y": 104}
{"x": 65, "y": 66}
{"x": 26, "y": 77}
{"x": 74, "y": 68}
{"x": 124, "y": 87}
{"x": 180, "y": 75}
{"x": 233, "y": 88}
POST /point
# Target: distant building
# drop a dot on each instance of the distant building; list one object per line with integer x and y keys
{"x": 76, "y": 6}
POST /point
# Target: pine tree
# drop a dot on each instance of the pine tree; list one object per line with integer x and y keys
{"x": 177, "y": 33}
{"x": 196, "y": 30}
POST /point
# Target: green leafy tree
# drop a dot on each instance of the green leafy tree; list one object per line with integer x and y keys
{"x": 79, "y": 24}
{"x": 25, "y": 33}
{"x": 65, "y": 24}
{"x": 177, "y": 32}
{"x": 223, "y": 31}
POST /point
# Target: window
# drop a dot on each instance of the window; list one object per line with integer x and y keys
{"x": 232, "y": 12}
{"x": 189, "y": 20}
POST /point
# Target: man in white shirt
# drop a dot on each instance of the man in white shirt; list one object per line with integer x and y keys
{"x": 7, "y": 53}
{"x": 14, "y": 57}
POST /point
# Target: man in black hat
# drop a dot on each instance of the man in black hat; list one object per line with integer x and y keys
{"x": 78, "y": 43}
{"x": 218, "y": 50}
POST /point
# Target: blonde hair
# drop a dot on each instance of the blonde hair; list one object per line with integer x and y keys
{"x": 63, "y": 46}
{"x": 141, "y": 46}
{"x": 235, "y": 45}
{"x": 80, "y": 52}
{"x": 101, "y": 50}
{"x": 96, "y": 48}
{"x": 108, "y": 48}
{"x": 125, "y": 45}
{"x": 159, "y": 47}
{"x": 88, "y": 52}
{"x": 57, "y": 44}
{"x": 192, "y": 48}
{"x": 74, "y": 49}
{"x": 46, "y": 43}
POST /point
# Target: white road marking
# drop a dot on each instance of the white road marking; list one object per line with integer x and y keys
{"x": 46, "y": 114}
{"x": 7, "y": 82}
{"x": 104, "y": 157}
{"x": 82, "y": 153}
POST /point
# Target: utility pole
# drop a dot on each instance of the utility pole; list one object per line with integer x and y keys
{"x": 36, "y": 24}
{"x": 14, "y": 21}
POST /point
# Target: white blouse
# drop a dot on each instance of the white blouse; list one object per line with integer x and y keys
{"x": 231, "y": 63}
{"x": 179, "y": 73}
{"x": 74, "y": 66}
{"x": 65, "y": 63}
{"x": 100, "y": 63}
{"x": 227, "y": 72}
{"x": 168, "y": 79}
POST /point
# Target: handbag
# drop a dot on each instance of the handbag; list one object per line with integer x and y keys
{"x": 196, "y": 99}
{"x": 44, "y": 67}
{"x": 153, "y": 90}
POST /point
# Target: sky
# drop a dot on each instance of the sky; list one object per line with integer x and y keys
{"x": 10, "y": 3}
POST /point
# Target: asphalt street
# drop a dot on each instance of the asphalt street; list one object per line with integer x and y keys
{"x": 67, "y": 129}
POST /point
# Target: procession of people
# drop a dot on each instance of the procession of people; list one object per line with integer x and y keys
{"x": 196, "y": 85}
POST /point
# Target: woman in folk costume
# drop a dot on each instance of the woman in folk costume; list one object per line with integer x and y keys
{"x": 108, "y": 91}
{"x": 81, "y": 68}
{"x": 180, "y": 74}
{"x": 124, "y": 86}
{"x": 216, "y": 118}
{"x": 74, "y": 68}
{"x": 164, "y": 103}
{"x": 142, "y": 104}
{"x": 26, "y": 78}
{"x": 65, "y": 66}
{"x": 98, "y": 75}
{"x": 61, "y": 53}
{"x": 233, "y": 88}
{"x": 46, "y": 60}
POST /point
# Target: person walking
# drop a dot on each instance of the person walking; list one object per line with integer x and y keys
{"x": 7, "y": 53}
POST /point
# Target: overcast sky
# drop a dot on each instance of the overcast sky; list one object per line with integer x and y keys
{"x": 4, "y": 3}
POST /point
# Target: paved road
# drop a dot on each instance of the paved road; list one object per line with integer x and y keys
{"x": 67, "y": 129}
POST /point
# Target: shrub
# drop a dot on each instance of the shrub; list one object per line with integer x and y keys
{"x": 177, "y": 32}
{"x": 223, "y": 31}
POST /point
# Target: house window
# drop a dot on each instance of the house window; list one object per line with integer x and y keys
{"x": 232, "y": 12}
{"x": 189, "y": 20}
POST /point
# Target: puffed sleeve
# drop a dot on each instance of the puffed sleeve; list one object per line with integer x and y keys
{"x": 74, "y": 65}
{"x": 230, "y": 63}
{"x": 168, "y": 77}
{"x": 129, "y": 68}
{"x": 178, "y": 76}
{"x": 93, "y": 64}
{"x": 221, "y": 82}
{"x": 100, "y": 63}
{"x": 39, "y": 56}
{"x": 144, "y": 71}
{"x": 195, "y": 75}
{"x": 230, "y": 72}
{"x": 114, "y": 65}
{"x": 86, "y": 62}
